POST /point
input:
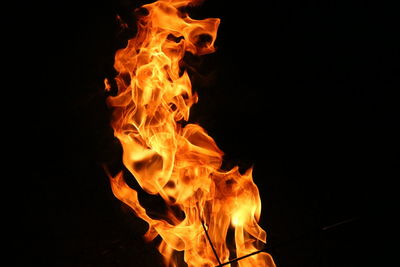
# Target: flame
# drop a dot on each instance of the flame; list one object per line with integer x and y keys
{"x": 180, "y": 163}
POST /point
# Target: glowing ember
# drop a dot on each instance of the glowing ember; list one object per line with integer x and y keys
{"x": 182, "y": 164}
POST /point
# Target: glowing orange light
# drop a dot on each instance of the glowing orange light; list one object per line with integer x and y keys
{"x": 180, "y": 163}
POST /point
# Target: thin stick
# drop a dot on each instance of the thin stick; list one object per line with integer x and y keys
{"x": 241, "y": 258}
{"x": 209, "y": 241}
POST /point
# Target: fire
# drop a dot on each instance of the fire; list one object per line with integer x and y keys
{"x": 179, "y": 162}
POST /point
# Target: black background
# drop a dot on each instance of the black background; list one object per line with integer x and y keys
{"x": 302, "y": 90}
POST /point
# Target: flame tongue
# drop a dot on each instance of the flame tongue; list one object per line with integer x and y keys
{"x": 181, "y": 164}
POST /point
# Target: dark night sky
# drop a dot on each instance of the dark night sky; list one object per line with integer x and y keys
{"x": 302, "y": 90}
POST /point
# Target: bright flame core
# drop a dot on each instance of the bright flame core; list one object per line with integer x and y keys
{"x": 180, "y": 163}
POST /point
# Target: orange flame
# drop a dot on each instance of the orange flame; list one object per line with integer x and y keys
{"x": 180, "y": 163}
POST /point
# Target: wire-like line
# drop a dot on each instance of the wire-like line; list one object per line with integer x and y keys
{"x": 211, "y": 244}
{"x": 241, "y": 258}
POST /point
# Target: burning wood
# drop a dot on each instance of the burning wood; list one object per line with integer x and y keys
{"x": 182, "y": 164}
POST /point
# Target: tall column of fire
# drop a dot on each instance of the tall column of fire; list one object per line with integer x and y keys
{"x": 179, "y": 162}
